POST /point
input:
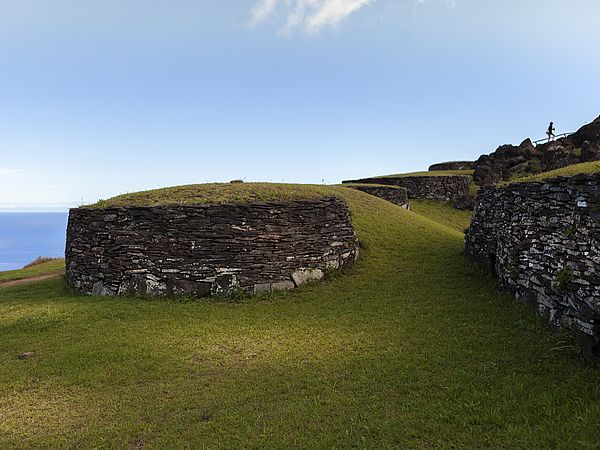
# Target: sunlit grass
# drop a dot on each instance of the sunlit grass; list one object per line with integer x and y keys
{"x": 413, "y": 347}
{"x": 442, "y": 213}
{"x": 568, "y": 171}
{"x": 218, "y": 193}
{"x": 40, "y": 269}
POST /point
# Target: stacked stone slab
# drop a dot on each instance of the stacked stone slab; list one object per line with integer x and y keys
{"x": 394, "y": 194}
{"x": 452, "y": 165}
{"x": 207, "y": 250}
{"x": 542, "y": 241}
{"x": 441, "y": 188}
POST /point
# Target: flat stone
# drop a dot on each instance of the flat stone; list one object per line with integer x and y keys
{"x": 262, "y": 288}
{"x": 304, "y": 276}
{"x": 283, "y": 286}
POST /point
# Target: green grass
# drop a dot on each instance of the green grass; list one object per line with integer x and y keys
{"x": 442, "y": 213}
{"x": 218, "y": 193}
{"x": 433, "y": 173}
{"x": 473, "y": 189}
{"x": 34, "y": 271}
{"x": 412, "y": 348}
{"x": 569, "y": 171}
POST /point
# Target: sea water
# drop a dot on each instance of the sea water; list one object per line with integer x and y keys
{"x": 25, "y": 236}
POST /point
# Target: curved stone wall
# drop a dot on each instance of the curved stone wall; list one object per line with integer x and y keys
{"x": 542, "y": 241}
{"x": 394, "y": 194}
{"x": 440, "y": 188}
{"x": 453, "y": 165}
{"x": 207, "y": 250}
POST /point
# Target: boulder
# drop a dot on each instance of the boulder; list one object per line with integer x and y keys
{"x": 558, "y": 155}
{"x": 589, "y": 132}
{"x": 590, "y": 152}
{"x": 499, "y": 166}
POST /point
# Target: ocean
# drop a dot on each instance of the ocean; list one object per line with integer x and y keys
{"x": 25, "y": 236}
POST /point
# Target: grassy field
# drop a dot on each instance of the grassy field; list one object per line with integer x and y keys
{"x": 41, "y": 269}
{"x": 413, "y": 347}
{"x": 569, "y": 171}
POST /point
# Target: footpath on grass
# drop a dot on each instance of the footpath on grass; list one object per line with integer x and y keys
{"x": 31, "y": 279}
{"x": 30, "y": 274}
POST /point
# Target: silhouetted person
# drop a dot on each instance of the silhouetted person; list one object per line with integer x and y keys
{"x": 550, "y": 131}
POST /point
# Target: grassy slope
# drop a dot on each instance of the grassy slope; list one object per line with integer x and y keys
{"x": 442, "y": 213}
{"x": 433, "y": 173}
{"x": 216, "y": 193}
{"x": 34, "y": 271}
{"x": 575, "y": 169}
{"x": 413, "y": 347}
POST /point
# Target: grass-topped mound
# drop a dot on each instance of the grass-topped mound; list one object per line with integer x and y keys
{"x": 568, "y": 171}
{"x": 219, "y": 193}
{"x": 433, "y": 173}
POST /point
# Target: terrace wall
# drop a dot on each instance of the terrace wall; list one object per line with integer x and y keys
{"x": 207, "y": 250}
{"x": 453, "y": 165}
{"x": 542, "y": 242}
{"x": 440, "y": 188}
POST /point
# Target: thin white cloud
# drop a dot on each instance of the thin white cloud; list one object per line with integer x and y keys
{"x": 309, "y": 16}
{"x": 262, "y": 10}
{"x": 11, "y": 173}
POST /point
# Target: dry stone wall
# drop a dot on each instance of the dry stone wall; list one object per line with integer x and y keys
{"x": 452, "y": 165}
{"x": 207, "y": 250}
{"x": 440, "y": 188}
{"x": 542, "y": 241}
{"x": 394, "y": 194}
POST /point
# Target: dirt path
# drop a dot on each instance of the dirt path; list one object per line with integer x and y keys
{"x": 31, "y": 279}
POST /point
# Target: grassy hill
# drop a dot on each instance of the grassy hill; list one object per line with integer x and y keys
{"x": 568, "y": 171}
{"x": 413, "y": 347}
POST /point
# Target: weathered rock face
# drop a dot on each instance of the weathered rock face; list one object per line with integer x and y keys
{"x": 207, "y": 250}
{"x": 442, "y": 188}
{"x": 590, "y": 152}
{"x": 510, "y": 161}
{"x": 394, "y": 194}
{"x": 542, "y": 241}
{"x": 506, "y": 162}
{"x": 452, "y": 165}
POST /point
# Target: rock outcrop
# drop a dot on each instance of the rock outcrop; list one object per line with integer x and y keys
{"x": 510, "y": 161}
{"x": 207, "y": 250}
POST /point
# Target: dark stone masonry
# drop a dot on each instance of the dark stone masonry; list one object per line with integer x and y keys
{"x": 440, "y": 188}
{"x": 452, "y": 165}
{"x": 394, "y": 194}
{"x": 542, "y": 242}
{"x": 209, "y": 249}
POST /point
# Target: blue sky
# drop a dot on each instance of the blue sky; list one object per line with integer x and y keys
{"x": 104, "y": 97}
